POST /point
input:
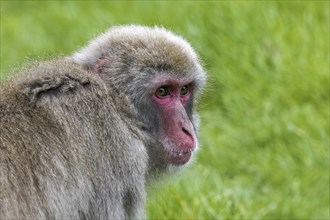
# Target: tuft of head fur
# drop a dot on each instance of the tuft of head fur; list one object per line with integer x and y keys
{"x": 153, "y": 47}
{"x": 133, "y": 35}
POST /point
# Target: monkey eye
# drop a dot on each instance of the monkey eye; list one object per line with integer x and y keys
{"x": 162, "y": 92}
{"x": 184, "y": 90}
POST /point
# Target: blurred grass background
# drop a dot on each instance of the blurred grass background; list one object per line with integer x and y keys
{"x": 265, "y": 113}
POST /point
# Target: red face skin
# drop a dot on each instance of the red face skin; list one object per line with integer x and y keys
{"x": 178, "y": 136}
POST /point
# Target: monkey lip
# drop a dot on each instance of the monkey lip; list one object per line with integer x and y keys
{"x": 179, "y": 157}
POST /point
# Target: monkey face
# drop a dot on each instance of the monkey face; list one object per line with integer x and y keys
{"x": 173, "y": 98}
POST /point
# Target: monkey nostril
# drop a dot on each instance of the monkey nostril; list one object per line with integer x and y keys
{"x": 186, "y": 131}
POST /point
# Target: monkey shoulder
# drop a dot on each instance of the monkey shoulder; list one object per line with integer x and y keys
{"x": 49, "y": 86}
{"x": 55, "y": 78}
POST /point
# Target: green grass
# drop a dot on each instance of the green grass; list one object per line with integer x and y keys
{"x": 265, "y": 113}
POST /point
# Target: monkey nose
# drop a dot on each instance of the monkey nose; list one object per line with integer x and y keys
{"x": 190, "y": 137}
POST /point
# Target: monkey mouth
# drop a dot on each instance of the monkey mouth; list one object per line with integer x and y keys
{"x": 178, "y": 157}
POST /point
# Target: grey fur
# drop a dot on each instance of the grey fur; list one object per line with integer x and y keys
{"x": 79, "y": 144}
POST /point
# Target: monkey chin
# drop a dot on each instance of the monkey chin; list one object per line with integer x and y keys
{"x": 178, "y": 157}
{"x": 179, "y": 154}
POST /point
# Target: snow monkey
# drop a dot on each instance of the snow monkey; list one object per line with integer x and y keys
{"x": 80, "y": 136}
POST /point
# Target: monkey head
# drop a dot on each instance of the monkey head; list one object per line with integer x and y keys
{"x": 160, "y": 74}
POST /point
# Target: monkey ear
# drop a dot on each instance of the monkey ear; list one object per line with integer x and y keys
{"x": 101, "y": 63}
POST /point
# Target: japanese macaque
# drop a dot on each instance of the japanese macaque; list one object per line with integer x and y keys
{"x": 80, "y": 136}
